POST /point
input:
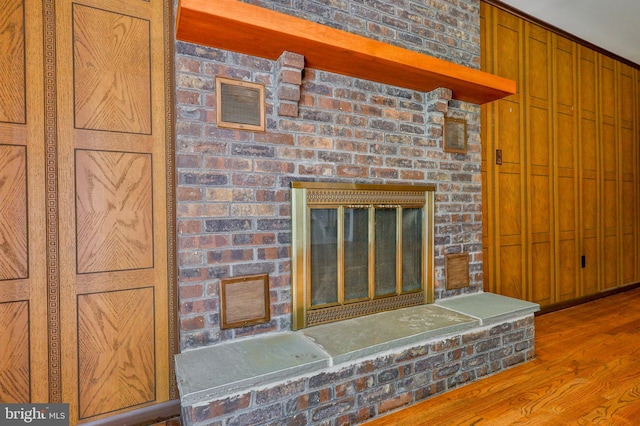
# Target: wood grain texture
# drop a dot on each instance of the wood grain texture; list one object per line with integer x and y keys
{"x": 116, "y": 352}
{"x": 113, "y": 149}
{"x": 51, "y": 130}
{"x": 569, "y": 175}
{"x": 511, "y": 271}
{"x": 538, "y": 164}
{"x": 568, "y": 277}
{"x": 588, "y": 151}
{"x": 609, "y": 140}
{"x": 457, "y": 270}
{"x": 13, "y": 212}
{"x": 38, "y": 44}
{"x": 628, "y": 122}
{"x": 586, "y": 373}
{"x": 510, "y": 205}
{"x": 112, "y": 71}
{"x": 12, "y": 62}
{"x": 14, "y": 357}
{"x": 114, "y": 211}
{"x": 507, "y": 54}
{"x": 538, "y": 41}
{"x": 507, "y": 63}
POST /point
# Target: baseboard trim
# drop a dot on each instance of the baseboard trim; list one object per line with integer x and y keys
{"x": 579, "y": 301}
{"x": 142, "y": 416}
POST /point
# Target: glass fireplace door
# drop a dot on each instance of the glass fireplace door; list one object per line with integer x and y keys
{"x": 359, "y": 249}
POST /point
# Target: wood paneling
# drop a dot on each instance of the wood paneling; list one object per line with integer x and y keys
{"x": 116, "y": 360}
{"x": 15, "y": 369}
{"x": 487, "y": 172}
{"x": 589, "y": 169}
{"x": 609, "y": 163}
{"x": 13, "y": 212}
{"x": 567, "y": 273}
{"x": 628, "y": 177}
{"x": 511, "y": 272}
{"x": 505, "y": 233}
{"x": 23, "y": 283}
{"x": 12, "y": 62}
{"x": 114, "y": 211}
{"x": 565, "y": 168}
{"x": 510, "y": 205}
{"x": 85, "y": 281}
{"x": 111, "y": 74}
{"x": 112, "y": 159}
{"x": 540, "y": 224}
{"x": 562, "y": 210}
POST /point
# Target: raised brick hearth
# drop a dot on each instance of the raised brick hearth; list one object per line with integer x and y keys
{"x": 354, "y": 370}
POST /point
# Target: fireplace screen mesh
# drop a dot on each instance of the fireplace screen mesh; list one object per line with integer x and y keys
{"x": 359, "y": 249}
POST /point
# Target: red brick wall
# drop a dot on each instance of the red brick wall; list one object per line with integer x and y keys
{"x": 233, "y": 207}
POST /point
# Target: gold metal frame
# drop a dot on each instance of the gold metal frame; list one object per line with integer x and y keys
{"x": 308, "y": 195}
{"x": 455, "y": 135}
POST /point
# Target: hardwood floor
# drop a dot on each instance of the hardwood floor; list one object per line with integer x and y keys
{"x": 587, "y": 372}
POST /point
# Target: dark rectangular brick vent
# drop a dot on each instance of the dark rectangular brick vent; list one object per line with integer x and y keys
{"x": 240, "y": 105}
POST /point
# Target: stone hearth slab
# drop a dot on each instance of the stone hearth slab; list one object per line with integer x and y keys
{"x": 214, "y": 372}
{"x": 374, "y": 334}
{"x": 489, "y": 308}
{"x": 226, "y": 368}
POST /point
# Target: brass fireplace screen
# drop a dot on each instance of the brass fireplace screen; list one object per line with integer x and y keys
{"x": 359, "y": 249}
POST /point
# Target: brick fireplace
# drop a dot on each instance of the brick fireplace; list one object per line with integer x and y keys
{"x": 234, "y": 219}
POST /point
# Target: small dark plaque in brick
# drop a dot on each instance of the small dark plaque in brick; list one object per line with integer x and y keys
{"x": 457, "y": 270}
{"x": 455, "y": 135}
{"x": 240, "y": 105}
{"x": 245, "y": 301}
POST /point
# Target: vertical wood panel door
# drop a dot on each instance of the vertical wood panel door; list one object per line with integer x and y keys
{"x": 509, "y": 136}
{"x": 23, "y": 283}
{"x": 566, "y": 169}
{"x": 561, "y": 213}
{"x": 86, "y": 287}
{"x": 110, "y": 68}
{"x": 588, "y": 129}
{"x": 627, "y": 124}
{"x": 610, "y": 180}
{"x": 539, "y": 166}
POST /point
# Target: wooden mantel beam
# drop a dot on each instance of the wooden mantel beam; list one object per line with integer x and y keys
{"x": 252, "y": 30}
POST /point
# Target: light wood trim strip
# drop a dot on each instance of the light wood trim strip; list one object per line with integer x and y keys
{"x": 51, "y": 147}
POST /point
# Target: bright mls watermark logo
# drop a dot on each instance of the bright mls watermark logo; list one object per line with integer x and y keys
{"x": 34, "y": 414}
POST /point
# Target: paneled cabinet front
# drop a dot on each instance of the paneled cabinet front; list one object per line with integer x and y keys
{"x": 561, "y": 207}
{"x": 84, "y": 248}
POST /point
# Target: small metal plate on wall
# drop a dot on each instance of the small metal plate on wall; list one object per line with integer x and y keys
{"x": 245, "y": 301}
{"x": 457, "y": 270}
{"x": 240, "y": 105}
{"x": 455, "y": 135}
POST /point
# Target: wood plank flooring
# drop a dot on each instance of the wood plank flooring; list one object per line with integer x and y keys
{"x": 586, "y": 372}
